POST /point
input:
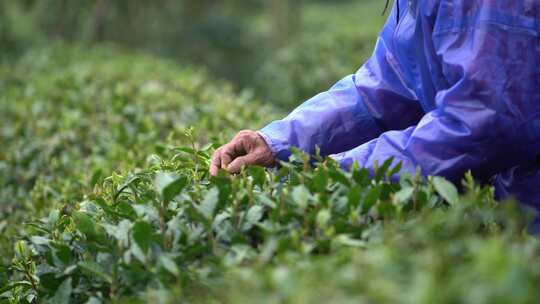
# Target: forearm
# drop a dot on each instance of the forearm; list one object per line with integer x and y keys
{"x": 355, "y": 110}
{"x": 333, "y": 121}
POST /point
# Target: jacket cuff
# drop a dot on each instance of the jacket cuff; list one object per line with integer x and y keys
{"x": 344, "y": 162}
{"x": 278, "y": 149}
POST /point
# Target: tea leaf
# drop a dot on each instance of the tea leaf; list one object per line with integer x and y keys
{"x": 93, "y": 269}
{"x": 446, "y": 189}
{"x": 404, "y": 195}
{"x": 169, "y": 185}
{"x": 142, "y": 234}
{"x": 63, "y": 293}
{"x": 208, "y": 206}
{"x": 253, "y": 216}
{"x": 169, "y": 265}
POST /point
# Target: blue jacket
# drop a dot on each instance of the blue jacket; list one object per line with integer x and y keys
{"x": 452, "y": 86}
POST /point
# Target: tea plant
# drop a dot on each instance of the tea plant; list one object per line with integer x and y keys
{"x": 70, "y": 117}
{"x": 106, "y": 197}
{"x": 170, "y": 224}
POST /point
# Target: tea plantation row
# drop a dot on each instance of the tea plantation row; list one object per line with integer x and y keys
{"x": 105, "y": 197}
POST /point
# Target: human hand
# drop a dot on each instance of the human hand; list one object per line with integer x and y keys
{"x": 248, "y": 148}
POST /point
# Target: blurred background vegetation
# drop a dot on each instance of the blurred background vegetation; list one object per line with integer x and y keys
{"x": 284, "y": 50}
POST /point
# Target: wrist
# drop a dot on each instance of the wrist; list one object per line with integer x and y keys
{"x": 267, "y": 141}
{"x": 268, "y": 144}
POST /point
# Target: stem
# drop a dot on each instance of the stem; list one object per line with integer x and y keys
{"x": 195, "y": 158}
{"x": 112, "y": 293}
{"x": 249, "y": 188}
{"x": 212, "y": 238}
{"x": 235, "y": 214}
{"x": 162, "y": 214}
{"x": 30, "y": 276}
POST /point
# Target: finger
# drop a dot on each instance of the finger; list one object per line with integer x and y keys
{"x": 226, "y": 159}
{"x": 214, "y": 169}
{"x": 229, "y": 152}
{"x": 238, "y": 146}
{"x": 240, "y": 162}
{"x": 216, "y": 163}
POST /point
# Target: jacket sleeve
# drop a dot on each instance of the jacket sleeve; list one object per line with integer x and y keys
{"x": 355, "y": 110}
{"x": 486, "y": 121}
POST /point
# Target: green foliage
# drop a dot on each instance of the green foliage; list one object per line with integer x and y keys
{"x": 107, "y": 198}
{"x": 247, "y": 42}
{"x": 334, "y": 41}
{"x": 71, "y": 117}
{"x": 235, "y": 227}
{"x": 214, "y": 33}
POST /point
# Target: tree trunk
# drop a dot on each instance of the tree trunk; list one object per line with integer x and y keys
{"x": 286, "y": 20}
{"x": 195, "y": 9}
{"x": 98, "y": 21}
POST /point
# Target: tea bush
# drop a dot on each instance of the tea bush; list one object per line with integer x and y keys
{"x": 106, "y": 198}
{"x": 71, "y": 116}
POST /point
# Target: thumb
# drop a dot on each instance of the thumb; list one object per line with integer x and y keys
{"x": 240, "y": 162}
